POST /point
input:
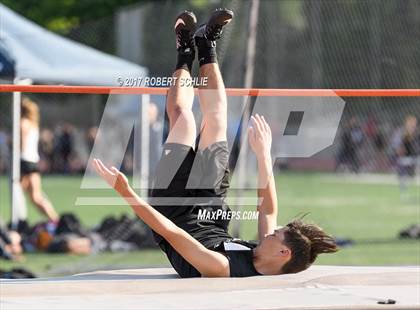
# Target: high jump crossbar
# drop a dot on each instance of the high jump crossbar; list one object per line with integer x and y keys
{"x": 262, "y": 92}
{"x": 107, "y": 90}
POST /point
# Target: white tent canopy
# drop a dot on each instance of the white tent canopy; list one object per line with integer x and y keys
{"x": 45, "y": 57}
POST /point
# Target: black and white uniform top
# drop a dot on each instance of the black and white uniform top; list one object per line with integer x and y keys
{"x": 238, "y": 252}
{"x": 240, "y": 256}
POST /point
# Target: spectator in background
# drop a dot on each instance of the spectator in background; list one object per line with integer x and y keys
{"x": 374, "y": 147}
{"x": 30, "y": 174}
{"x": 46, "y": 150}
{"x": 91, "y": 136}
{"x": 405, "y": 150}
{"x": 351, "y": 140}
{"x": 10, "y": 247}
{"x": 374, "y": 134}
{"x": 64, "y": 147}
{"x": 4, "y": 151}
{"x": 155, "y": 143}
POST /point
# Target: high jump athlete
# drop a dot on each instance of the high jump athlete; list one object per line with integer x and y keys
{"x": 189, "y": 180}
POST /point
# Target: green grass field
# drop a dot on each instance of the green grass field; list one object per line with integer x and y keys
{"x": 370, "y": 213}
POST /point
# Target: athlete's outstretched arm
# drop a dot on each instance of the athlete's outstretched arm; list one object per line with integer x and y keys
{"x": 208, "y": 263}
{"x": 260, "y": 138}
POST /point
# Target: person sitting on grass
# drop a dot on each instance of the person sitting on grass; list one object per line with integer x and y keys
{"x": 189, "y": 180}
{"x": 10, "y": 240}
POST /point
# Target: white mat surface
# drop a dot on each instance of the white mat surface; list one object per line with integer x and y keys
{"x": 320, "y": 287}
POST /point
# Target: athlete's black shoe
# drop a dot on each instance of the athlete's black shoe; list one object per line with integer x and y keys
{"x": 185, "y": 25}
{"x": 212, "y": 30}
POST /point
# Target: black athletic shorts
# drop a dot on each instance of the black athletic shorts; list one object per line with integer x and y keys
{"x": 186, "y": 182}
{"x": 185, "y": 178}
{"x": 28, "y": 167}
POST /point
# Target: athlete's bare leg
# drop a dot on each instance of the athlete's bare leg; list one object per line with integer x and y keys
{"x": 213, "y": 101}
{"x": 32, "y": 184}
{"x": 178, "y": 106}
{"x": 180, "y": 98}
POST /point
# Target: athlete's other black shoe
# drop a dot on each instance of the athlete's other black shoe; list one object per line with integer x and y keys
{"x": 213, "y": 29}
{"x": 185, "y": 26}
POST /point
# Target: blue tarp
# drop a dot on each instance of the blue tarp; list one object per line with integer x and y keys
{"x": 7, "y": 64}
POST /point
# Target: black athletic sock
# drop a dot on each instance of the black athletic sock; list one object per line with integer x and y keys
{"x": 185, "y": 60}
{"x": 206, "y": 51}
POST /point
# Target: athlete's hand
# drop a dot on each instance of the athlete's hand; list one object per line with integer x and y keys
{"x": 259, "y": 136}
{"x": 115, "y": 178}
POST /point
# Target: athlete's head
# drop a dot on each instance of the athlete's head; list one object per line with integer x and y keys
{"x": 30, "y": 110}
{"x": 306, "y": 242}
{"x": 295, "y": 247}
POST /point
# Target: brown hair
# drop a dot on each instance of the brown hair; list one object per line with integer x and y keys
{"x": 306, "y": 241}
{"x": 30, "y": 110}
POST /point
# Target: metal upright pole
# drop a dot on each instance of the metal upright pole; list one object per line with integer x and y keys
{"x": 15, "y": 157}
{"x": 145, "y": 143}
{"x": 316, "y": 23}
{"x": 19, "y": 211}
{"x": 249, "y": 78}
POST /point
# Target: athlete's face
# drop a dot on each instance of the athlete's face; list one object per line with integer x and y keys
{"x": 274, "y": 243}
{"x": 273, "y": 252}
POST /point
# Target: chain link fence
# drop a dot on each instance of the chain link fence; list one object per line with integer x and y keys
{"x": 300, "y": 44}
